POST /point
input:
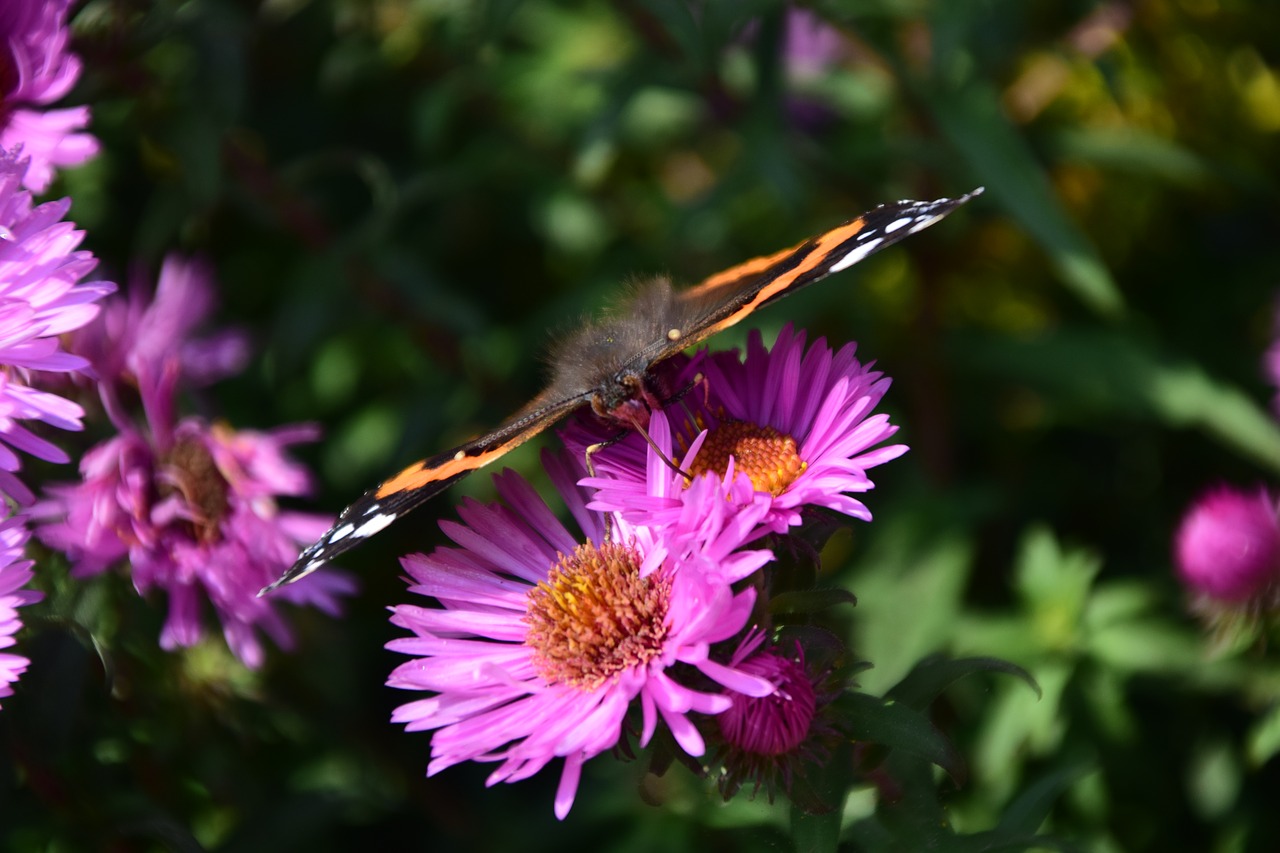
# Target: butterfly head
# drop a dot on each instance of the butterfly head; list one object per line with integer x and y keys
{"x": 625, "y": 398}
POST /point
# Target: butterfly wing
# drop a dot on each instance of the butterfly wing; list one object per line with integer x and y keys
{"x": 717, "y": 303}
{"x": 728, "y": 297}
{"x": 379, "y": 507}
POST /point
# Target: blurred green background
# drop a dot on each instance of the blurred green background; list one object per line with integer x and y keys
{"x": 402, "y": 198}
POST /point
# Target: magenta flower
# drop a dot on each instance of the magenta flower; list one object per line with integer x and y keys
{"x": 15, "y": 573}
{"x": 778, "y": 723}
{"x": 192, "y": 507}
{"x": 37, "y": 69}
{"x": 148, "y": 340}
{"x": 41, "y": 298}
{"x": 796, "y": 422}
{"x": 1228, "y": 547}
{"x": 768, "y": 740}
{"x": 197, "y": 518}
{"x": 544, "y": 637}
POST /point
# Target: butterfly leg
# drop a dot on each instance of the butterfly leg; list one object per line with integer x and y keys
{"x": 587, "y": 455}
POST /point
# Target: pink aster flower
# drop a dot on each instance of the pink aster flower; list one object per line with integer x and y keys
{"x": 41, "y": 298}
{"x": 797, "y": 422}
{"x": 15, "y": 573}
{"x": 37, "y": 69}
{"x": 197, "y": 518}
{"x": 544, "y": 637}
{"x": 1228, "y": 547}
{"x": 193, "y": 507}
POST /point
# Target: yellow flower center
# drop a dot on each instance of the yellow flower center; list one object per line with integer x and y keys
{"x": 768, "y": 457}
{"x": 594, "y": 616}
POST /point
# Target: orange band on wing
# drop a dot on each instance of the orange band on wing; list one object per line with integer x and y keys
{"x": 421, "y": 474}
{"x": 757, "y": 266}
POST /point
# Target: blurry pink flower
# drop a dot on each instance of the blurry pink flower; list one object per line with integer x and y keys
{"x": 196, "y": 517}
{"x": 191, "y": 506}
{"x": 149, "y": 341}
{"x": 1228, "y": 545}
{"x": 37, "y": 69}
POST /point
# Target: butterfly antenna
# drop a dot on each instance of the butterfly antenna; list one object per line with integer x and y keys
{"x": 644, "y": 433}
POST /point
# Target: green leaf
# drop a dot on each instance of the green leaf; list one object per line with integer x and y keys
{"x": 1263, "y": 740}
{"x": 898, "y": 727}
{"x": 1133, "y": 150}
{"x": 934, "y": 674}
{"x": 1031, "y": 808}
{"x": 815, "y": 833}
{"x": 1185, "y": 396}
{"x": 811, "y": 601}
{"x": 972, "y": 120}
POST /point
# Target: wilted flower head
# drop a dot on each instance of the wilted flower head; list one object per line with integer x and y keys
{"x": 797, "y": 422}
{"x": 15, "y": 573}
{"x": 36, "y": 70}
{"x": 1228, "y": 547}
{"x": 545, "y": 636}
{"x": 41, "y": 298}
{"x": 191, "y": 506}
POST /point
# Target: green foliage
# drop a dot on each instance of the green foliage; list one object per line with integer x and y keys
{"x": 402, "y": 198}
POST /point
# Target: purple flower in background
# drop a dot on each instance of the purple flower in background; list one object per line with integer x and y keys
{"x": 150, "y": 340}
{"x": 812, "y": 45}
{"x": 15, "y": 573}
{"x": 197, "y": 517}
{"x": 191, "y": 506}
{"x": 1228, "y": 547}
{"x": 1271, "y": 363}
{"x": 41, "y": 298}
{"x": 796, "y": 420}
{"x": 37, "y": 69}
{"x": 544, "y": 636}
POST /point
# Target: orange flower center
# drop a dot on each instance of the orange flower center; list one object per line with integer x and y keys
{"x": 768, "y": 457}
{"x": 594, "y": 616}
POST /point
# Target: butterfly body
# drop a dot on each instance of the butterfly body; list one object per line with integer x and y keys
{"x": 612, "y": 364}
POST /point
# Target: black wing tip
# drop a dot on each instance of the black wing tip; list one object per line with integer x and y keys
{"x": 305, "y": 565}
{"x": 951, "y": 203}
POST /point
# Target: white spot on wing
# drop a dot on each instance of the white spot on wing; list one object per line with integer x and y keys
{"x": 897, "y": 223}
{"x": 857, "y": 254}
{"x": 342, "y": 532}
{"x": 923, "y": 224}
{"x": 373, "y": 525}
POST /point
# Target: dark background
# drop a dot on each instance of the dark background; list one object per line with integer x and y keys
{"x": 402, "y": 199}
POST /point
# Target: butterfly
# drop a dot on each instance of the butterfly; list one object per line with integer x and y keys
{"x": 610, "y": 364}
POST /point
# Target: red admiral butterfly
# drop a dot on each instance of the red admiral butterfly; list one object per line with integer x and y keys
{"x": 609, "y": 364}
